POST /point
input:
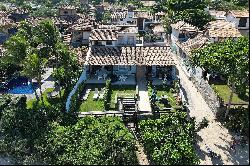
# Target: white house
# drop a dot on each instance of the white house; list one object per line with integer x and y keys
{"x": 239, "y": 18}
{"x": 218, "y": 15}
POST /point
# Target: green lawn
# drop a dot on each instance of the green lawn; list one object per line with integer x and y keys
{"x": 224, "y": 92}
{"x": 92, "y": 105}
{"x": 121, "y": 91}
{"x": 30, "y": 103}
{"x": 166, "y": 92}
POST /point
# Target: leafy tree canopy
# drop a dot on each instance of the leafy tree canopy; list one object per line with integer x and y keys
{"x": 229, "y": 58}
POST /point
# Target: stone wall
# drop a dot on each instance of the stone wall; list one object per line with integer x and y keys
{"x": 208, "y": 94}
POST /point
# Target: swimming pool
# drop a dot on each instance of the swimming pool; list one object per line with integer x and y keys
{"x": 20, "y": 85}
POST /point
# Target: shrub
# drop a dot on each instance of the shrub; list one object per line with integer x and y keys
{"x": 238, "y": 120}
{"x": 107, "y": 95}
{"x": 169, "y": 140}
{"x": 92, "y": 141}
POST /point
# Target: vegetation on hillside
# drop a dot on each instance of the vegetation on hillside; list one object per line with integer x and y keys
{"x": 170, "y": 139}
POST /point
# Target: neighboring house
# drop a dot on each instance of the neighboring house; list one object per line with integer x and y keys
{"x": 182, "y": 31}
{"x": 218, "y": 15}
{"x": 67, "y": 12}
{"x": 80, "y": 31}
{"x": 239, "y": 18}
{"x": 220, "y": 30}
{"x": 7, "y": 27}
{"x": 184, "y": 52}
{"x": 18, "y": 15}
{"x": 142, "y": 18}
{"x": 114, "y": 36}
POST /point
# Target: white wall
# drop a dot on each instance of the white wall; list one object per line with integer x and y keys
{"x": 234, "y": 20}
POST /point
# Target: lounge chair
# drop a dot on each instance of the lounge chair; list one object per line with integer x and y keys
{"x": 102, "y": 93}
{"x": 86, "y": 95}
{"x": 96, "y": 94}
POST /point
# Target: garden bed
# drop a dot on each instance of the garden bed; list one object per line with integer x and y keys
{"x": 160, "y": 92}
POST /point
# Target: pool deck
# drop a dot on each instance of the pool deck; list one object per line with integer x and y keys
{"x": 48, "y": 82}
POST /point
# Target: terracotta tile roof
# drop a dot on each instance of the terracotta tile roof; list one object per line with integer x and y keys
{"x": 239, "y": 13}
{"x": 35, "y": 20}
{"x": 218, "y": 24}
{"x": 81, "y": 53}
{"x": 82, "y": 24}
{"x": 119, "y": 15}
{"x": 224, "y": 32}
{"x": 3, "y": 14}
{"x": 103, "y": 34}
{"x": 130, "y": 56}
{"x": 199, "y": 41}
{"x": 6, "y": 22}
{"x": 222, "y": 28}
{"x": 183, "y": 26}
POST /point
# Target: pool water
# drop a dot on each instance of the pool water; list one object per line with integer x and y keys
{"x": 20, "y": 85}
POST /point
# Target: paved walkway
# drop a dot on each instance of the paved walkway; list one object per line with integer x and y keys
{"x": 144, "y": 103}
{"x": 215, "y": 135}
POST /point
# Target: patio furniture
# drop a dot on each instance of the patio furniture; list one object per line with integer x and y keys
{"x": 86, "y": 95}
{"x": 96, "y": 94}
{"x": 105, "y": 76}
{"x": 99, "y": 77}
{"x": 102, "y": 93}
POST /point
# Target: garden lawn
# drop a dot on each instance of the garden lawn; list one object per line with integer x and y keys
{"x": 92, "y": 105}
{"x": 121, "y": 91}
{"x": 166, "y": 92}
{"x": 224, "y": 92}
{"x": 30, "y": 103}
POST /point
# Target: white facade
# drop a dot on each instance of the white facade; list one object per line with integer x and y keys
{"x": 236, "y": 21}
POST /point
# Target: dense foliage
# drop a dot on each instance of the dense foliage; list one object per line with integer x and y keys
{"x": 237, "y": 120}
{"x": 107, "y": 95}
{"x": 229, "y": 4}
{"x": 90, "y": 141}
{"x": 53, "y": 137}
{"x": 169, "y": 140}
{"x": 229, "y": 58}
{"x": 190, "y": 11}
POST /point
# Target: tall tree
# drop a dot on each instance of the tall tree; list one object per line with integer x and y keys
{"x": 230, "y": 59}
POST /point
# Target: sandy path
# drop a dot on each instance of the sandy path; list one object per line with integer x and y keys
{"x": 215, "y": 135}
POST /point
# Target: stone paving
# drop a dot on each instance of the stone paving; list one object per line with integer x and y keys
{"x": 216, "y": 136}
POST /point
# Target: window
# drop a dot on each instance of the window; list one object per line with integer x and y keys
{"x": 65, "y": 12}
{"x": 130, "y": 40}
{"x": 120, "y": 40}
{"x": 182, "y": 35}
{"x": 243, "y": 22}
{"x": 99, "y": 43}
{"x": 108, "y": 43}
